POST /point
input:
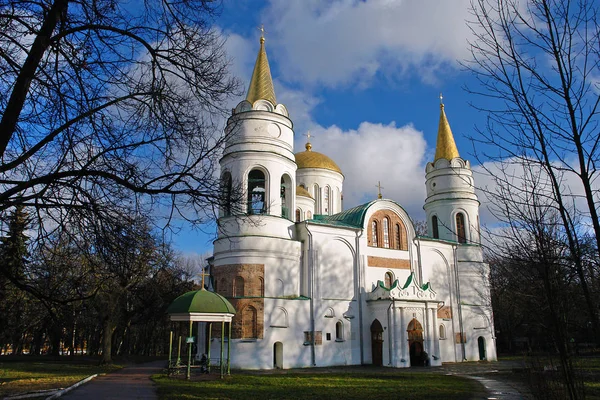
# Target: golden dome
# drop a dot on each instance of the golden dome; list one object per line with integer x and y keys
{"x": 300, "y": 191}
{"x": 312, "y": 159}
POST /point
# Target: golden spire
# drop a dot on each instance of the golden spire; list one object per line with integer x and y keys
{"x": 261, "y": 84}
{"x": 445, "y": 147}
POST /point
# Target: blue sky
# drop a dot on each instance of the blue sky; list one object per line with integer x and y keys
{"x": 364, "y": 77}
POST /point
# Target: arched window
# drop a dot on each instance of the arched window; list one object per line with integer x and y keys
{"x": 339, "y": 331}
{"x": 326, "y": 198}
{"x": 226, "y": 187}
{"x": 308, "y": 215}
{"x": 374, "y": 234}
{"x": 389, "y": 279}
{"x": 460, "y": 228}
{"x": 298, "y": 215}
{"x": 256, "y": 192}
{"x": 434, "y": 227}
{"x": 249, "y": 323}
{"x": 386, "y": 233}
{"x": 238, "y": 287}
{"x": 223, "y": 287}
{"x": 398, "y": 237}
{"x": 442, "y": 332}
{"x": 279, "y": 318}
{"x": 261, "y": 287}
{"x": 317, "y": 197}
{"x": 286, "y": 196}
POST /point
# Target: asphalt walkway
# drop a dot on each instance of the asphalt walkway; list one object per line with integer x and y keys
{"x": 131, "y": 382}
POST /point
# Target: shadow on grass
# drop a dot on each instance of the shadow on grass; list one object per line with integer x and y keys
{"x": 381, "y": 386}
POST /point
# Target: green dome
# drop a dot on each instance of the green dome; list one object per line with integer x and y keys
{"x": 201, "y": 301}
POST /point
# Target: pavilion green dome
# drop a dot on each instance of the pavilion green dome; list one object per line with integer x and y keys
{"x": 201, "y": 301}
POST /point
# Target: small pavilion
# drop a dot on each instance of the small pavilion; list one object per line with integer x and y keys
{"x": 204, "y": 306}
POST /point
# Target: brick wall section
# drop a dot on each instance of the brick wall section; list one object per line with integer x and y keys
{"x": 253, "y": 296}
{"x": 383, "y": 262}
{"x": 394, "y": 219}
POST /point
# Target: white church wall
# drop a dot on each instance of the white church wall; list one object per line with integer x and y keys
{"x": 336, "y": 350}
{"x": 306, "y": 206}
{"x": 280, "y": 257}
{"x": 335, "y": 265}
{"x": 309, "y": 177}
{"x": 259, "y": 130}
{"x": 437, "y": 261}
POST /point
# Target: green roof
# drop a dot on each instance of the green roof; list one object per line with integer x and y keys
{"x": 201, "y": 301}
{"x": 351, "y": 218}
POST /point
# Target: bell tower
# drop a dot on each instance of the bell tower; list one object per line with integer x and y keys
{"x": 258, "y": 159}
{"x": 451, "y": 206}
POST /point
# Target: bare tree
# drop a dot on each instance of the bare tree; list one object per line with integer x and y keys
{"x": 537, "y": 63}
{"x": 111, "y": 104}
{"x": 532, "y": 269}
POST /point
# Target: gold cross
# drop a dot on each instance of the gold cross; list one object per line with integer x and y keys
{"x": 203, "y": 275}
{"x": 308, "y": 136}
{"x": 379, "y": 187}
{"x": 441, "y": 99}
{"x": 262, "y": 30}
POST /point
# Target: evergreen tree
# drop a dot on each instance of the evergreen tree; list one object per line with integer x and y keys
{"x": 14, "y": 256}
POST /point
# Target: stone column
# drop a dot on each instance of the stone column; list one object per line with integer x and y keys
{"x": 402, "y": 339}
{"x": 436, "y": 339}
{"x": 430, "y": 330}
{"x": 396, "y": 350}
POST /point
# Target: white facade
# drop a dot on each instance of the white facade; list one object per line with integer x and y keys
{"x": 343, "y": 287}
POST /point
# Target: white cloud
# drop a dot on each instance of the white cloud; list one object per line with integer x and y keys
{"x": 377, "y": 152}
{"x": 519, "y": 179}
{"x": 347, "y": 42}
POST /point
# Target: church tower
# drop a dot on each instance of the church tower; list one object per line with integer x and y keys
{"x": 256, "y": 262}
{"x": 258, "y": 171}
{"x": 451, "y": 206}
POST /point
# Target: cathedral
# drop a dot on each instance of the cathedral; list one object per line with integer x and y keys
{"x": 315, "y": 284}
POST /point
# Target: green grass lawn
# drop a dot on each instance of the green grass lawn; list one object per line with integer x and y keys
{"x": 22, "y": 376}
{"x": 359, "y": 385}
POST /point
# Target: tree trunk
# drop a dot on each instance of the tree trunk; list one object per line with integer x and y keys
{"x": 108, "y": 329}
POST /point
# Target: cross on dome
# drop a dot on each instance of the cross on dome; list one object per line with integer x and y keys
{"x": 308, "y": 146}
{"x": 379, "y": 187}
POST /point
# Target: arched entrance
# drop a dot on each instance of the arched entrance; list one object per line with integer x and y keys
{"x": 415, "y": 343}
{"x": 481, "y": 344}
{"x": 377, "y": 343}
{"x": 278, "y": 355}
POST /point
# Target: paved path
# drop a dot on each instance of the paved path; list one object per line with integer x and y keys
{"x": 498, "y": 390}
{"x": 128, "y": 383}
{"x": 134, "y": 382}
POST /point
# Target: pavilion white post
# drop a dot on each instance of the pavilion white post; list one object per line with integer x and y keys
{"x": 222, "y": 346}
{"x": 189, "y": 366}
{"x": 229, "y": 351}
{"x": 170, "y": 346}
{"x": 209, "y": 341}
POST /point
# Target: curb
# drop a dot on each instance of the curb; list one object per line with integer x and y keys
{"x": 75, "y": 385}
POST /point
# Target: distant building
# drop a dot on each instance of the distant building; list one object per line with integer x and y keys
{"x": 316, "y": 285}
